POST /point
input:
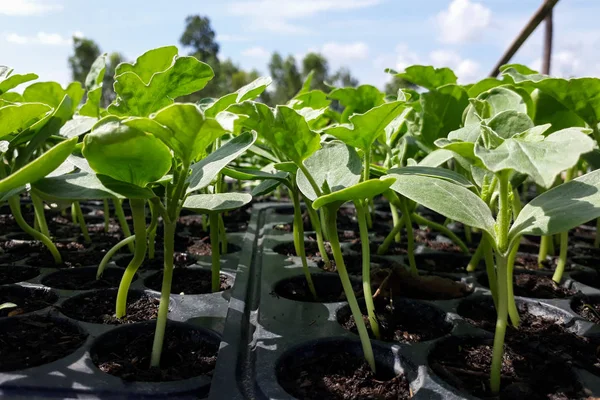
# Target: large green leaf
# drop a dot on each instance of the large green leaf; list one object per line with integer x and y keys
{"x": 126, "y": 154}
{"x": 93, "y": 85}
{"x": 436, "y": 158}
{"x": 85, "y": 186}
{"x": 358, "y": 100}
{"x": 427, "y": 76}
{"x": 334, "y": 167}
{"x": 182, "y": 127}
{"x": 541, "y": 159}
{"x": 137, "y": 97}
{"x": 499, "y": 99}
{"x": 247, "y": 92}
{"x": 315, "y": 99}
{"x": 52, "y": 93}
{"x": 149, "y": 63}
{"x": 561, "y": 208}
{"x": 449, "y": 199}
{"x": 77, "y": 126}
{"x": 548, "y": 110}
{"x": 18, "y": 117}
{"x": 8, "y": 80}
{"x": 290, "y": 133}
{"x": 204, "y": 171}
{"x": 441, "y": 173}
{"x": 40, "y": 167}
{"x": 365, "y": 128}
{"x": 216, "y": 202}
{"x": 363, "y": 190}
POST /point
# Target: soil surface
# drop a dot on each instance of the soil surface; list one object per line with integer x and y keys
{"x": 187, "y": 281}
{"x": 16, "y": 273}
{"x": 340, "y": 376}
{"x": 442, "y": 263}
{"x": 32, "y": 341}
{"x": 73, "y": 257}
{"x": 526, "y": 373}
{"x": 179, "y": 260}
{"x": 98, "y": 307}
{"x": 328, "y": 287}
{"x": 186, "y": 354}
{"x": 535, "y": 286}
{"x": 311, "y": 248}
{"x": 588, "y": 308}
{"x": 530, "y": 262}
{"x": 83, "y": 279}
{"x": 26, "y": 299}
{"x": 587, "y": 278}
{"x": 202, "y": 247}
{"x": 400, "y": 321}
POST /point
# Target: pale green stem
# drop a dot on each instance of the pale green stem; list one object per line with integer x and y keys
{"x": 363, "y": 334}
{"x": 110, "y": 254}
{"x": 366, "y": 267}
{"x": 73, "y": 213}
{"x": 222, "y": 234}
{"x": 564, "y": 241}
{"x": 151, "y": 232}
{"x": 82, "y": 225}
{"x": 106, "y": 215}
{"x": 513, "y": 311}
{"x": 387, "y": 242}
{"x": 298, "y": 228}
{"x": 501, "y": 323}
{"x": 395, "y": 221}
{"x": 468, "y": 235}
{"x": 442, "y": 229}
{"x": 476, "y": 258}
{"x": 14, "y": 203}
{"x": 490, "y": 269}
{"x": 543, "y": 253}
{"x": 40, "y": 217}
{"x": 409, "y": 236}
{"x": 316, "y": 224}
{"x": 214, "y": 245}
{"x": 139, "y": 227}
{"x": 122, "y": 221}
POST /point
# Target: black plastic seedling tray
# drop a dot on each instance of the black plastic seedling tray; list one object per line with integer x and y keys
{"x": 76, "y": 376}
{"x": 264, "y": 330}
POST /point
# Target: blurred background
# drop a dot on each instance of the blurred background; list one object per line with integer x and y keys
{"x": 346, "y": 42}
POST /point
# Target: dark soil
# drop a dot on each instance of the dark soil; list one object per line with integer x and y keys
{"x": 340, "y": 376}
{"x": 586, "y": 261}
{"x": 32, "y": 341}
{"x": 587, "y": 251}
{"x": 530, "y": 262}
{"x": 395, "y": 249}
{"x": 83, "y": 279}
{"x": 202, "y": 247}
{"x": 16, "y": 273}
{"x": 186, "y": 353}
{"x": 353, "y": 264}
{"x": 328, "y": 287}
{"x": 445, "y": 263}
{"x": 98, "y": 307}
{"x": 588, "y": 308}
{"x": 74, "y": 255}
{"x": 400, "y": 320}
{"x": 193, "y": 223}
{"x": 526, "y": 373}
{"x": 237, "y": 220}
{"x": 187, "y": 281}
{"x": 587, "y": 278}
{"x": 311, "y": 249}
{"x": 26, "y": 299}
{"x": 535, "y": 286}
{"x": 179, "y": 260}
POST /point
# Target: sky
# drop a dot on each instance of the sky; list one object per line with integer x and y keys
{"x": 365, "y": 36}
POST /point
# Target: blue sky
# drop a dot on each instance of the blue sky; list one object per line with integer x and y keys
{"x": 364, "y": 35}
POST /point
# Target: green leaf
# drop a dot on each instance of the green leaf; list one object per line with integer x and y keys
{"x": 77, "y": 126}
{"x": 291, "y": 135}
{"x": 126, "y": 154}
{"x": 500, "y": 99}
{"x": 286, "y": 166}
{"x": 363, "y": 190}
{"x": 250, "y": 174}
{"x": 138, "y": 97}
{"x": 441, "y": 112}
{"x": 548, "y": 110}
{"x": 427, "y": 76}
{"x": 334, "y": 167}
{"x": 18, "y": 117}
{"x": 358, "y": 100}
{"x": 509, "y": 123}
{"x": 217, "y": 202}
{"x": 561, "y": 208}
{"x": 440, "y": 173}
{"x": 306, "y": 84}
{"x": 85, "y": 186}
{"x": 11, "y": 97}
{"x": 542, "y": 159}
{"x": 483, "y": 86}
{"x": 364, "y": 129}
{"x": 9, "y": 81}
{"x": 52, "y": 93}
{"x": 40, "y": 167}
{"x": 315, "y": 99}
{"x": 149, "y": 63}
{"x": 247, "y": 92}
{"x": 204, "y": 171}
{"x": 265, "y": 187}
{"x": 93, "y": 85}
{"x": 451, "y": 200}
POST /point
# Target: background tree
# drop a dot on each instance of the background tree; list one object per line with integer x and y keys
{"x": 199, "y": 36}
{"x": 343, "y": 78}
{"x": 85, "y": 52}
{"x": 318, "y": 64}
{"x": 392, "y": 87}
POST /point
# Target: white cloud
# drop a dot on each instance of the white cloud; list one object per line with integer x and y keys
{"x": 43, "y": 38}
{"x": 279, "y": 15}
{"x": 345, "y": 52}
{"x": 232, "y": 38}
{"x": 27, "y": 7}
{"x": 257, "y": 52}
{"x": 463, "y": 21}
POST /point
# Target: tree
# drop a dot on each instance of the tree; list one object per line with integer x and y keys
{"x": 392, "y": 87}
{"x": 343, "y": 78}
{"x": 200, "y": 36}
{"x": 108, "y": 93}
{"x": 85, "y": 53}
{"x": 320, "y": 67}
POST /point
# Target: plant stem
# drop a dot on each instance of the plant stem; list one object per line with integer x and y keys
{"x": 222, "y": 234}
{"x": 387, "y": 242}
{"x": 122, "y": 221}
{"x": 543, "y": 253}
{"x": 409, "y": 236}
{"x": 110, "y": 253}
{"x": 395, "y": 221}
{"x": 151, "y": 232}
{"x": 139, "y": 227}
{"x": 165, "y": 293}
{"x": 82, "y": 225}
{"x": 562, "y": 258}
{"x": 476, "y": 258}
{"x": 214, "y": 245}
{"x": 73, "y": 213}
{"x": 331, "y": 223}
{"x": 597, "y": 239}
{"x": 501, "y": 324}
{"x": 513, "y": 311}
{"x": 40, "y": 217}
{"x": 366, "y": 267}
{"x": 298, "y": 228}
{"x": 316, "y": 224}
{"x": 442, "y": 229}
{"x": 468, "y": 235}
{"x": 503, "y": 212}
{"x": 490, "y": 270}
{"x": 14, "y": 203}
{"x": 106, "y": 215}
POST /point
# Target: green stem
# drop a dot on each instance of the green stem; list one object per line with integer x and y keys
{"x": 106, "y": 215}
{"x": 442, "y": 229}
{"x": 501, "y": 324}
{"x": 73, "y": 213}
{"x": 122, "y": 221}
{"x": 214, "y": 245}
{"x": 222, "y": 234}
{"x": 316, "y": 224}
{"x": 395, "y": 221}
{"x": 513, "y": 311}
{"x": 468, "y": 235}
{"x": 477, "y": 256}
{"x": 110, "y": 253}
{"x": 298, "y": 228}
{"x": 165, "y": 293}
{"x": 490, "y": 269}
{"x": 503, "y": 212}
{"x": 14, "y": 203}
{"x": 366, "y": 267}
{"x": 409, "y": 236}
{"x": 331, "y": 223}
{"x": 597, "y": 239}
{"x": 562, "y": 258}
{"x": 387, "y": 242}
{"x": 139, "y": 226}
{"x": 40, "y": 217}
{"x": 151, "y": 232}
{"x": 82, "y": 225}
{"x": 543, "y": 253}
